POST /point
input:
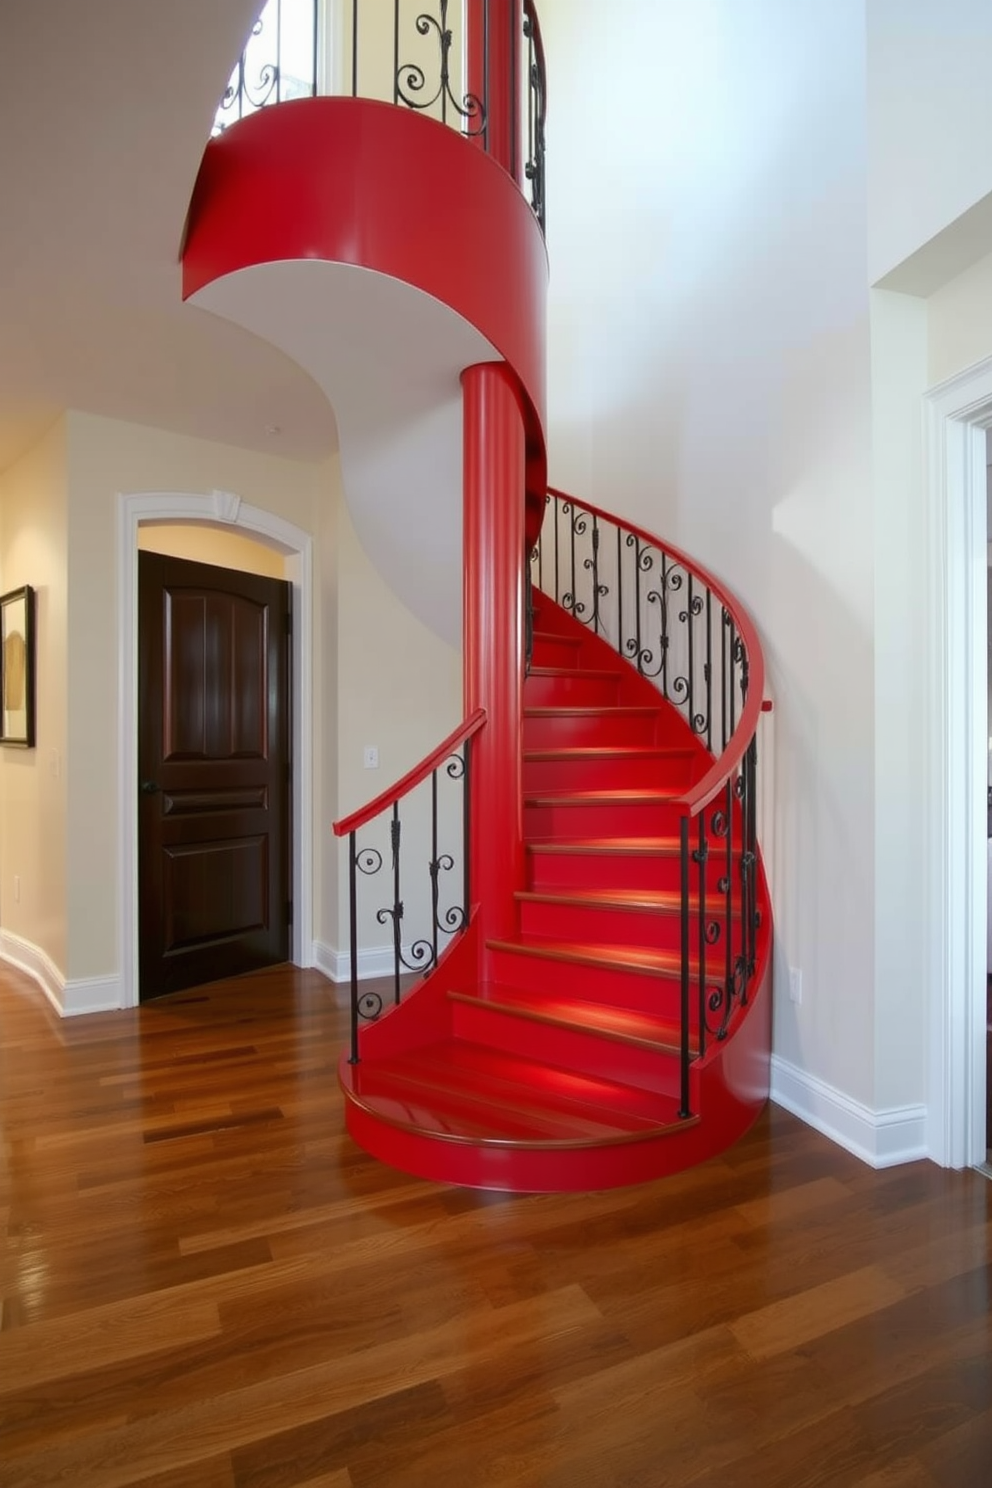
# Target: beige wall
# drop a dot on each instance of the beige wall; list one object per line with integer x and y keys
{"x": 201, "y": 543}
{"x": 33, "y": 550}
{"x": 959, "y": 322}
{"x": 106, "y": 457}
{"x": 400, "y": 689}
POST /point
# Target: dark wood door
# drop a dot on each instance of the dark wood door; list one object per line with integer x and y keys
{"x": 213, "y": 772}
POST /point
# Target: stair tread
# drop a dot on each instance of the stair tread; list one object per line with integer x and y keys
{"x": 658, "y": 846}
{"x": 625, "y": 1025}
{"x": 467, "y": 1091}
{"x": 664, "y": 900}
{"x": 561, "y": 640}
{"x": 575, "y": 710}
{"x": 568, "y": 673}
{"x": 631, "y": 796}
{"x": 611, "y": 751}
{"x": 639, "y": 959}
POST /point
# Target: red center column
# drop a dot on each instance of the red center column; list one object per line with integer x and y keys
{"x": 493, "y": 604}
{"x": 495, "y": 39}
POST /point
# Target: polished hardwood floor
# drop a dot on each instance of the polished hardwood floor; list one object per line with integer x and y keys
{"x": 207, "y": 1285}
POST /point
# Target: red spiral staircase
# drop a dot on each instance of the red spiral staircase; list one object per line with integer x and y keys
{"x": 574, "y": 1034}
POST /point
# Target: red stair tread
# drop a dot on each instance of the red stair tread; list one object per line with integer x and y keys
{"x": 652, "y": 901}
{"x": 622, "y": 1024}
{"x": 580, "y": 710}
{"x": 466, "y": 1092}
{"x": 612, "y": 751}
{"x": 650, "y": 846}
{"x": 568, "y": 673}
{"x": 638, "y": 796}
{"x": 638, "y": 959}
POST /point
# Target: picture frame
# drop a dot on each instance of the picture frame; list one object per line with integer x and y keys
{"x": 17, "y": 668}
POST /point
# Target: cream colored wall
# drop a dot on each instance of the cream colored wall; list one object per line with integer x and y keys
{"x": 400, "y": 689}
{"x": 959, "y": 318}
{"x": 33, "y": 786}
{"x": 201, "y": 543}
{"x": 106, "y": 457}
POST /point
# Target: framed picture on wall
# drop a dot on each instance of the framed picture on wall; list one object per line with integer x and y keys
{"x": 17, "y": 667}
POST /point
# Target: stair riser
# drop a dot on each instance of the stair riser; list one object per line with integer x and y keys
{"x": 570, "y": 692}
{"x": 656, "y": 929}
{"x": 560, "y": 822}
{"x": 568, "y": 1048}
{"x": 561, "y": 775}
{"x": 564, "y": 731}
{"x": 645, "y": 994}
{"x": 554, "y": 651}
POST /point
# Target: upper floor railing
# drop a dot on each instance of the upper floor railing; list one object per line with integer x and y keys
{"x": 417, "y": 54}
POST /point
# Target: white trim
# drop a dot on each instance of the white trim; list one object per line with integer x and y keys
{"x": 956, "y": 416}
{"x": 880, "y": 1138}
{"x": 297, "y": 545}
{"x": 68, "y": 998}
{"x": 373, "y": 961}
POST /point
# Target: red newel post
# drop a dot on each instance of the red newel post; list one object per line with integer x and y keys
{"x": 493, "y": 605}
{"x": 495, "y": 39}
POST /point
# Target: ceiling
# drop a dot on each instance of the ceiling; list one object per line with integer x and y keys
{"x": 105, "y": 110}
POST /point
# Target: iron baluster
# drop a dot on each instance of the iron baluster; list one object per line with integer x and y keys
{"x": 621, "y": 647}
{"x": 466, "y": 835}
{"x": 410, "y": 80}
{"x": 702, "y": 855}
{"x": 663, "y": 643}
{"x": 435, "y": 868}
{"x": 708, "y": 670}
{"x": 728, "y": 912}
{"x": 353, "y": 941}
{"x": 684, "y": 1108}
{"x": 354, "y": 48}
{"x": 397, "y": 914}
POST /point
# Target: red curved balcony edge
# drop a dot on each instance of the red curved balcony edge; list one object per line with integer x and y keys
{"x": 355, "y": 181}
{"x": 414, "y": 777}
{"x": 705, "y": 790}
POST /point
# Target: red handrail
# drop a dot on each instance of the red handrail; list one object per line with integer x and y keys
{"x": 703, "y": 792}
{"x": 412, "y": 778}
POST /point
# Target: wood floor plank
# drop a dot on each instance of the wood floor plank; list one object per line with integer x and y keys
{"x": 197, "y": 1293}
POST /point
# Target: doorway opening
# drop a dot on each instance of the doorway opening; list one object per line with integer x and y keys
{"x": 224, "y": 512}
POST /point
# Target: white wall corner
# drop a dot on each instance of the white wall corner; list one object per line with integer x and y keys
{"x": 35, "y": 963}
{"x": 373, "y": 961}
{"x": 68, "y": 998}
{"x": 880, "y": 1138}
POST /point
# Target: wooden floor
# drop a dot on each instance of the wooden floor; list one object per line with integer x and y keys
{"x": 206, "y": 1285}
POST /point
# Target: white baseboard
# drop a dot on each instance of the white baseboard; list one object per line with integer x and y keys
{"x": 374, "y": 961}
{"x": 880, "y": 1138}
{"x": 69, "y": 998}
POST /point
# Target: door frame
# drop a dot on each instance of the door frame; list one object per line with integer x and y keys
{"x": 218, "y": 508}
{"x": 957, "y": 414}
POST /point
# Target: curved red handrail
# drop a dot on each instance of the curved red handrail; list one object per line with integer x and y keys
{"x": 703, "y": 792}
{"x": 412, "y": 778}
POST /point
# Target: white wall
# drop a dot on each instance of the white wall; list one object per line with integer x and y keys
{"x": 710, "y": 377}
{"x": 929, "y": 123}
{"x": 33, "y": 550}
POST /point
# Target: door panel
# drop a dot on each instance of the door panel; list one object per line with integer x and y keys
{"x": 213, "y": 753}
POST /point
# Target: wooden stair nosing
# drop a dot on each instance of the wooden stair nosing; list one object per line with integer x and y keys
{"x": 577, "y": 1020}
{"x": 636, "y": 796}
{"x": 639, "y": 960}
{"x": 661, "y": 847}
{"x": 634, "y": 901}
{"x": 599, "y": 674}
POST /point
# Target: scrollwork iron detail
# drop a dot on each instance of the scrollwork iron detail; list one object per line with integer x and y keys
{"x": 411, "y": 79}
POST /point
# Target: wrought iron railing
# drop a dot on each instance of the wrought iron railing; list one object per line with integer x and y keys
{"x": 414, "y": 57}
{"x": 683, "y": 631}
{"x": 448, "y": 831}
{"x": 279, "y": 62}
